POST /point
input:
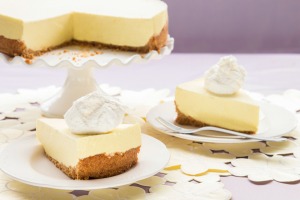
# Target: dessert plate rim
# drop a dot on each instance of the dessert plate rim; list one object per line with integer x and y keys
{"x": 37, "y": 170}
{"x": 277, "y": 121}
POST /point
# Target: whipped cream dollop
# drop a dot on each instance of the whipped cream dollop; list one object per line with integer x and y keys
{"x": 94, "y": 113}
{"x": 226, "y": 77}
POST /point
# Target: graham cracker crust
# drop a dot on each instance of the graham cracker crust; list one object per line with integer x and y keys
{"x": 188, "y": 120}
{"x": 18, "y": 47}
{"x": 100, "y": 166}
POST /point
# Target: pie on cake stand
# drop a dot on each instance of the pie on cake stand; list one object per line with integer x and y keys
{"x": 80, "y": 62}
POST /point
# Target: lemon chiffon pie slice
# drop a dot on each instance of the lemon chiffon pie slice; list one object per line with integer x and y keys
{"x": 98, "y": 145}
{"x": 217, "y": 100}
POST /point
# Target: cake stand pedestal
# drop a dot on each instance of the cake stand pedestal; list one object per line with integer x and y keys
{"x": 80, "y": 63}
{"x": 79, "y": 82}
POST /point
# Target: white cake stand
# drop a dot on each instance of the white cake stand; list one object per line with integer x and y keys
{"x": 80, "y": 63}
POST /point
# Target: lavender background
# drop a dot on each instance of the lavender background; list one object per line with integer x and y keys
{"x": 231, "y": 26}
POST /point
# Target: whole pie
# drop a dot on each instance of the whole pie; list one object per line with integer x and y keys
{"x": 31, "y": 27}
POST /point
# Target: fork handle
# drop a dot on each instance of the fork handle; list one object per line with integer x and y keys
{"x": 209, "y": 128}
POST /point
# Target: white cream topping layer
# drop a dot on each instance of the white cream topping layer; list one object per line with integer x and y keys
{"x": 94, "y": 113}
{"x": 226, "y": 77}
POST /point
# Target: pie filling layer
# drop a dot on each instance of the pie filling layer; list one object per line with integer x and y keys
{"x": 187, "y": 120}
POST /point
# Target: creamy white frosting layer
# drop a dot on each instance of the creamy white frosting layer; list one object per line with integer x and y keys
{"x": 226, "y": 77}
{"x": 68, "y": 148}
{"x": 94, "y": 113}
{"x": 52, "y": 22}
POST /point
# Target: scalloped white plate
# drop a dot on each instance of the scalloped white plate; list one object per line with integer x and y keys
{"x": 78, "y": 57}
{"x": 277, "y": 121}
{"x": 24, "y": 161}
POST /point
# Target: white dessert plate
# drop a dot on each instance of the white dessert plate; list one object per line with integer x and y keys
{"x": 276, "y": 121}
{"x": 24, "y": 161}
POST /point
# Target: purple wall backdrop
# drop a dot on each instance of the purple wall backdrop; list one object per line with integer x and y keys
{"x": 231, "y": 26}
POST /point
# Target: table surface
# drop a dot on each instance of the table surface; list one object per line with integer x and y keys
{"x": 266, "y": 73}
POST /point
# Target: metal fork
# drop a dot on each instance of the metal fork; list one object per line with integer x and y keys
{"x": 182, "y": 130}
